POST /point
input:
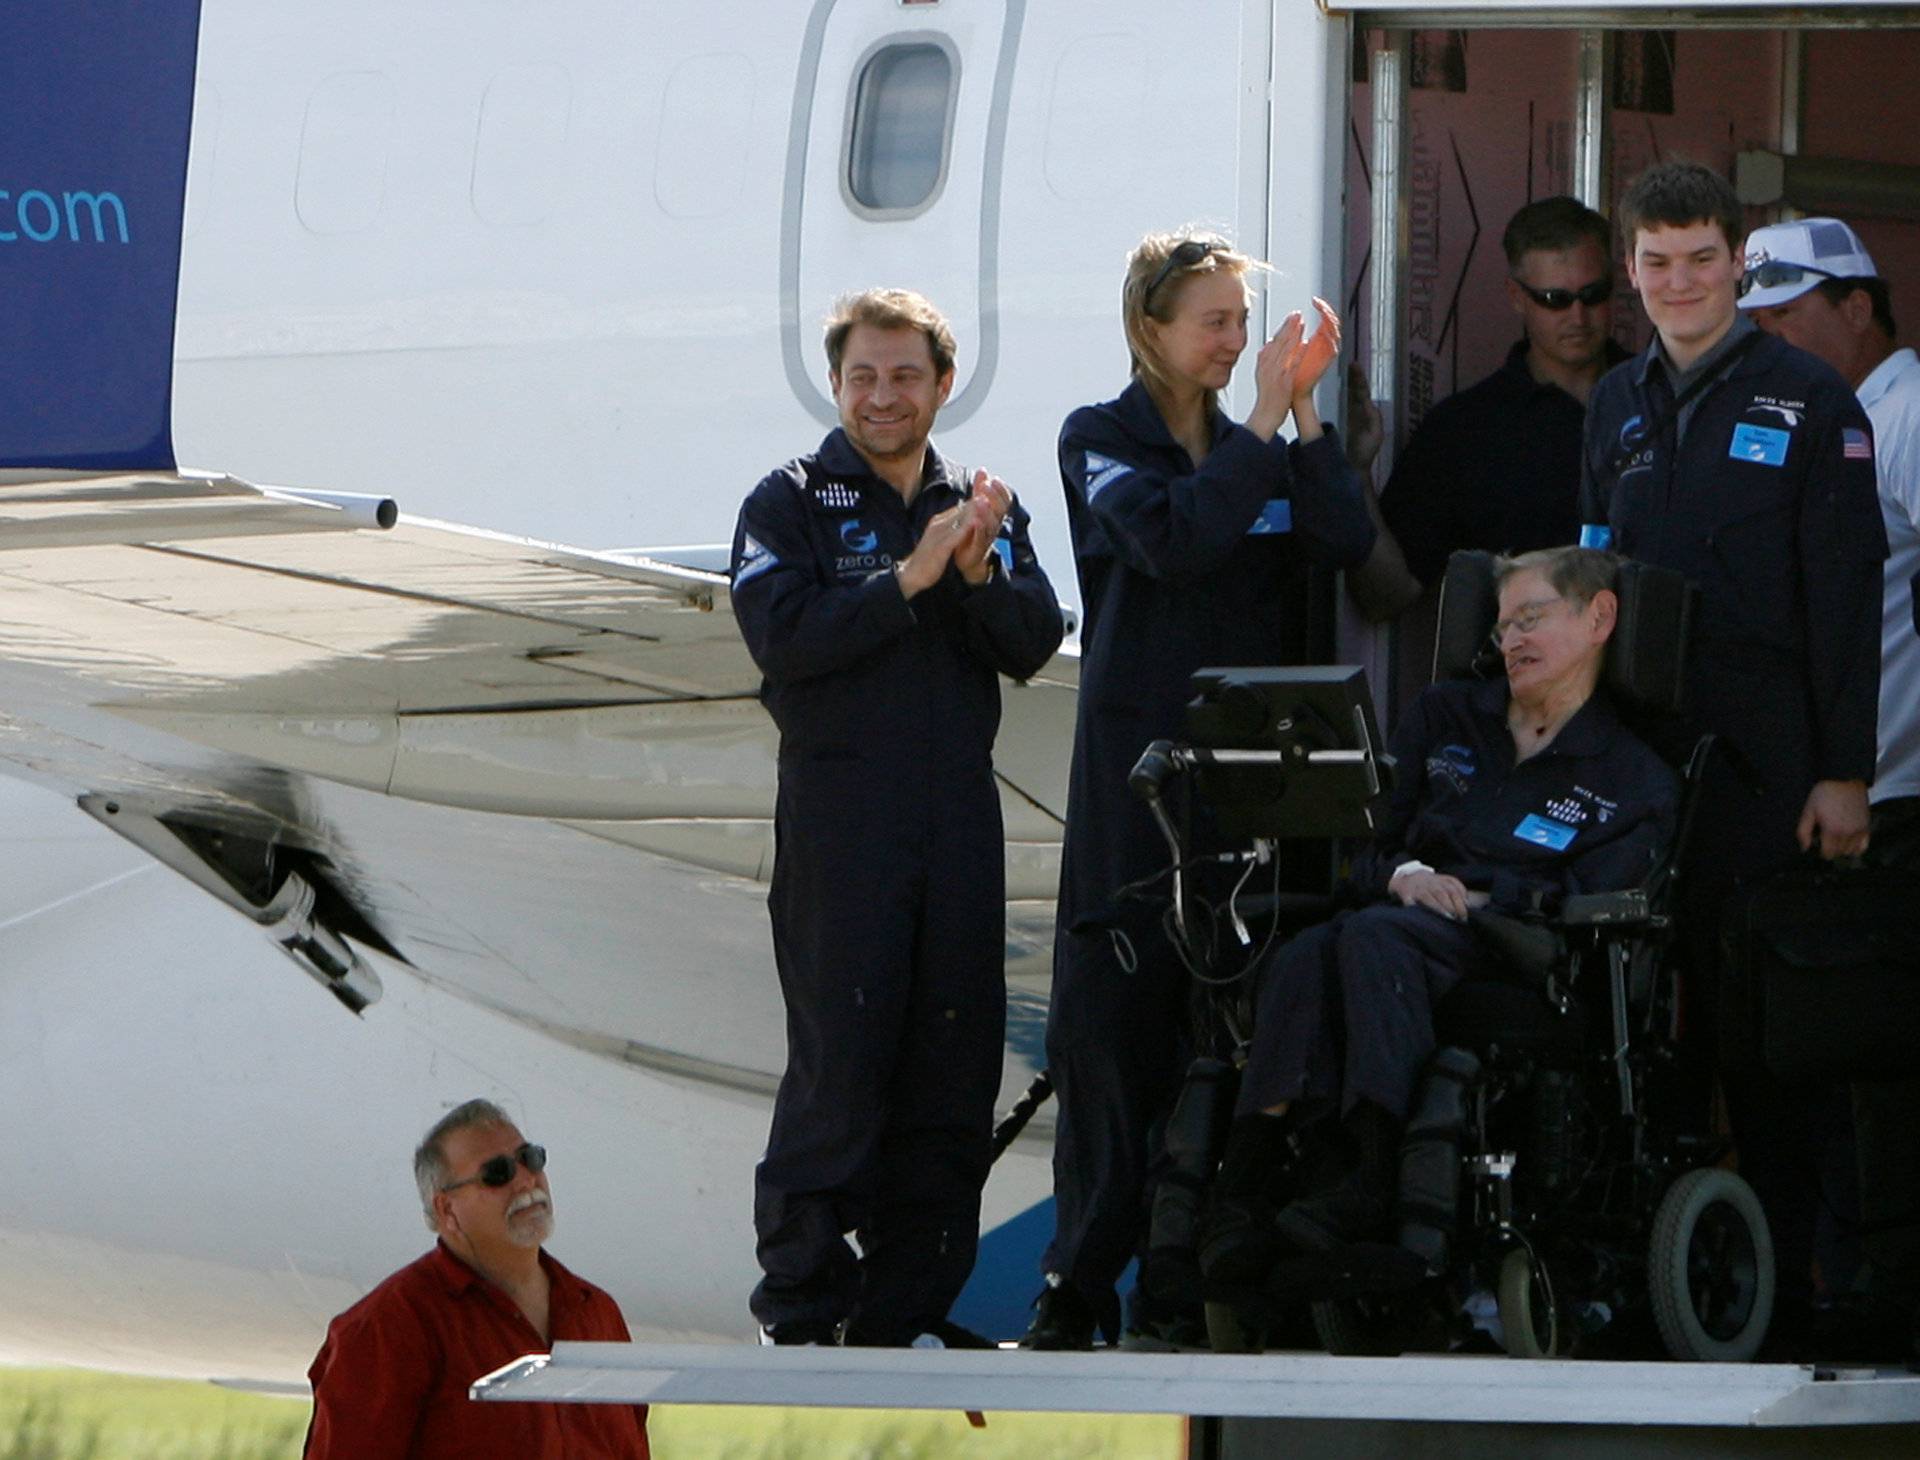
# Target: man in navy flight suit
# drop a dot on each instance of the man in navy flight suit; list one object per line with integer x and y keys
{"x": 1747, "y": 465}
{"x": 882, "y": 593}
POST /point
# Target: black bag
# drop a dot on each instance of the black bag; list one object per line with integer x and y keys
{"x": 1823, "y": 974}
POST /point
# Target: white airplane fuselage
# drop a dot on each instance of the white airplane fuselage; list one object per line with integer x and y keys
{"x": 557, "y": 272}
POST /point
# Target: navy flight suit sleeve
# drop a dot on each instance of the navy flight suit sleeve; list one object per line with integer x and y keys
{"x": 1188, "y": 524}
{"x": 797, "y": 623}
{"x": 1842, "y": 541}
{"x": 1013, "y": 619}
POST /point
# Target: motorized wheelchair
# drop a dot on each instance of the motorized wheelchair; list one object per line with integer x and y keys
{"x": 1550, "y": 1168}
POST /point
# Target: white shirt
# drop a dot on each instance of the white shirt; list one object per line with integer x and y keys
{"x": 1891, "y": 396}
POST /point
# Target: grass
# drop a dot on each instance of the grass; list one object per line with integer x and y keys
{"x": 734, "y": 1432}
{"x": 75, "y": 1414}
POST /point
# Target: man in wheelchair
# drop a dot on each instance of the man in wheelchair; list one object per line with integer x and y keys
{"x": 1515, "y": 798}
{"x": 1510, "y": 795}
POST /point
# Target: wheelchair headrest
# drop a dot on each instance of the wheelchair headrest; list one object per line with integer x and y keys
{"x": 1646, "y": 657}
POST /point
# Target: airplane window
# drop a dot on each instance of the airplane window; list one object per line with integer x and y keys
{"x": 342, "y": 179}
{"x": 705, "y": 137}
{"x": 520, "y": 150}
{"x": 902, "y": 116}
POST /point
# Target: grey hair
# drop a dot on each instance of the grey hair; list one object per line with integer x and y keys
{"x": 1576, "y": 573}
{"x": 430, "y": 1158}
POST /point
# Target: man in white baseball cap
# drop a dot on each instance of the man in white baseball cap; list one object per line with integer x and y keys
{"x": 1812, "y": 283}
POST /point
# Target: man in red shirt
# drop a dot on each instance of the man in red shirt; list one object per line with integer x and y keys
{"x": 390, "y": 1382}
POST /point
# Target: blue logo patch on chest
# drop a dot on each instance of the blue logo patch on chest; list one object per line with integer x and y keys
{"x": 1452, "y": 764}
{"x": 1766, "y": 445}
{"x": 1276, "y": 516}
{"x": 858, "y": 538}
{"x": 1544, "y": 831}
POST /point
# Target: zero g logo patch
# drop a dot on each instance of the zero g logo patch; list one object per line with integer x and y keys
{"x": 863, "y": 554}
{"x": 1453, "y": 764}
{"x": 1633, "y": 436}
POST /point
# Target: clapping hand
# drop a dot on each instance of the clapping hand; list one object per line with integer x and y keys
{"x": 1317, "y": 351}
{"x": 1273, "y": 377}
{"x": 979, "y": 524}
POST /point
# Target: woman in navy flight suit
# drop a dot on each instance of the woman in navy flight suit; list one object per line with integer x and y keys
{"x": 1192, "y": 537}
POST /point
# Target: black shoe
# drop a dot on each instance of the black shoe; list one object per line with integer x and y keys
{"x": 803, "y": 1333}
{"x": 1359, "y": 1206}
{"x": 1238, "y": 1244}
{"x": 944, "y": 1334}
{"x": 1155, "y": 1325}
{"x": 1062, "y": 1319}
{"x": 1167, "y": 1336}
{"x": 936, "y": 1333}
{"x": 1171, "y": 1277}
{"x": 1856, "y": 1328}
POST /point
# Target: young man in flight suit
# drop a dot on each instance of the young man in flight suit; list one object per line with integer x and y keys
{"x": 883, "y": 592}
{"x": 1747, "y": 465}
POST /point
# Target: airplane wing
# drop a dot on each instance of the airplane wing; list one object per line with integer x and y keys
{"x": 193, "y": 651}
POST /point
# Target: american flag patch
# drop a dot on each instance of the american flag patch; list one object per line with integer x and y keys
{"x": 1855, "y": 444}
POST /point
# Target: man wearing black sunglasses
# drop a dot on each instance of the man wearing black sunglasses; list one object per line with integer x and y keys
{"x": 390, "y": 1382}
{"x": 1497, "y": 466}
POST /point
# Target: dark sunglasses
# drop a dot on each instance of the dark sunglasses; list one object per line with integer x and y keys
{"x": 497, "y": 1171}
{"x": 1187, "y": 253}
{"x": 1592, "y": 295}
{"x": 1774, "y": 271}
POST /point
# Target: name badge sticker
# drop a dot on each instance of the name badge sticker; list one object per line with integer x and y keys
{"x": 1276, "y": 516}
{"x": 1005, "y": 550}
{"x": 1766, "y": 445}
{"x": 1543, "y": 831}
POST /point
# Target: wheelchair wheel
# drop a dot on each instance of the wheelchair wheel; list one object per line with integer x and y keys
{"x": 1532, "y": 1320}
{"x": 1710, "y": 1268}
{"x": 1360, "y": 1327}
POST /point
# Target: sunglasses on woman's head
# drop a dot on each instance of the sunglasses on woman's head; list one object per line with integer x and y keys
{"x": 1185, "y": 255}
